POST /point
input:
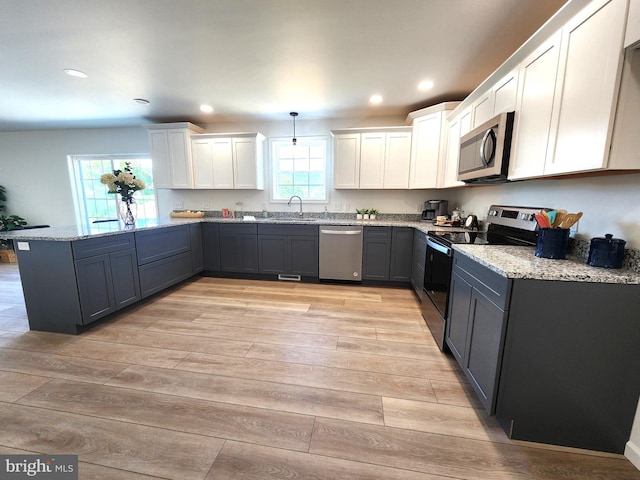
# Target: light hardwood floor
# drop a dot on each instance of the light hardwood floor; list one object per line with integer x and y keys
{"x": 247, "y": 380}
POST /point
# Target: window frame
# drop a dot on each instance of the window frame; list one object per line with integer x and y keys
{"x": 273, "y": 170}
{"x": 79, "y": 200}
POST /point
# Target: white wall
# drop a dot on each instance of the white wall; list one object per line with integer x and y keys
{"x": 33, "y": 167}
{"x": 611, "y": 204}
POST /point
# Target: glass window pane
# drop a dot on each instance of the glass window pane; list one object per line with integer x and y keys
{"x": 294, "y": 171}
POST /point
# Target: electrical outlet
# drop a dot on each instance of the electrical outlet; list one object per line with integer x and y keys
{"x": 178, "y": 205}
{"x": 207, "y": 206}
{"x": 347, "y": 207}
{"x": 338, "y": 207}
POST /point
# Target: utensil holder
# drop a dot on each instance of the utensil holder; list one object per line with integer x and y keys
{"x": 552, "y": 243}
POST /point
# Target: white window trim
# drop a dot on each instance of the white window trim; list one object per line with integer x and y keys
{"x": 327, "y": 169}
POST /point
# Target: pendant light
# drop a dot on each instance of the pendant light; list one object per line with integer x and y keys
{"x": 294, "y": 115}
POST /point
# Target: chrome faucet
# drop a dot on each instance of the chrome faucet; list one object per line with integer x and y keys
{"x": 289, "y": 203}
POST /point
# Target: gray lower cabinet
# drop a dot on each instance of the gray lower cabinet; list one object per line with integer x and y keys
{"x": 288, "y": 250}
{"x": 418, "y": 262}
{"x": 387, "y": 253}
{"x": 211, "y": 246}
{"x": 401, "y": 254}
{"x": 164, "y": 258}
{"x": 238, "y": 248}
{"x": 376, "y": 253}
{"x": 476, "y": 325}
{"x": 197, "y": 252}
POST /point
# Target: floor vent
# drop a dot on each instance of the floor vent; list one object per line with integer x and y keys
{"x": 289, "y": 278}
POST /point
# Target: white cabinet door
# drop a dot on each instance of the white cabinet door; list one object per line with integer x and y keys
{"x": 531, "y": 139}
{"x": 222, "y": 162}
{"x": 397, "y": 160}
{"x": 505, "y": 94}
{"x": 482, "y": 109}
{"x": 425, "y": 153}
{"x": 632, "y": 34}
{"x": 346, "y": 166}
{"x": 587, "y": 87}
{"x": 453, "y": 150}
{"x": 202, "y": 163}
{"x": 180, "y": 154}
{"x": 372, "y": 151}
{"x": 160, "y": 160}
{"x": 247, "y": 163}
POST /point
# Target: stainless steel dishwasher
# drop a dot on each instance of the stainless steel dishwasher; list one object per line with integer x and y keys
{"x": 341, "y": 253}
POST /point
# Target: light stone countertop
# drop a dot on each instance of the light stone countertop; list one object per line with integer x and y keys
{"x": 521, "y": 263}
{"x": 509, "y": 261}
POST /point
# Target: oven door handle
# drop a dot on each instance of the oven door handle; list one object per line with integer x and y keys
{"x": 440, "y": 248}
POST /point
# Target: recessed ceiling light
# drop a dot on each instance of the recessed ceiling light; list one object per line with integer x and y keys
{"x": 425, "y": 85}
{"x": 375, "y": 99}
{"x": 75, "y": 73}
{"x": 206, "y": 108}
{"x": 141, "y": 101}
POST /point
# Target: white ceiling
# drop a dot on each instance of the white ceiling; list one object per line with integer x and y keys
{"x": 249, "y": 59}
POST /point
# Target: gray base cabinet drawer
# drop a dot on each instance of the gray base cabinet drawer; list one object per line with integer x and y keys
{"x": 154, "y": 245}
{"x": 157, "y": 276}
{"x": 98, "y": 246}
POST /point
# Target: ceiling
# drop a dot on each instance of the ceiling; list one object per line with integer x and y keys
{"x": 248, "y": 59}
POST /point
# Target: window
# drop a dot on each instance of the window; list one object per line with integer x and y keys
{"x": 299, "y": 170}
{"x": 93, "y": 201}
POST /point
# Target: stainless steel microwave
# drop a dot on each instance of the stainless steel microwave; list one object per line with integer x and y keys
{"x": 485, "y": 151}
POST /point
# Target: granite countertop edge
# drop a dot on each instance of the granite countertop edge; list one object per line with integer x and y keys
{"x": 517, "y": 262}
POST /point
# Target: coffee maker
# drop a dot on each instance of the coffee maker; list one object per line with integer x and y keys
{"x": 434, "y": 208}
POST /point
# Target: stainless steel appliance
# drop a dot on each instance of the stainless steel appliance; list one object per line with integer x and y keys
{"x": 434, "y": 208}
{"x": 506, "y": 226}
{"x": 485, "y": 151}
{"x": 341, "y": 253}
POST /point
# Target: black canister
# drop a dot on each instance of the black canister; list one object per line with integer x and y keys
{"x": 607, "y": 252}
{"x": 552, "y": 243}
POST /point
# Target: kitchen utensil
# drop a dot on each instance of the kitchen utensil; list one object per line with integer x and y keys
{"x": 551, "y": 216}
{"x": 560, "y": 214}
{"x": 542, "y": 220}
{"x": 606, "y": 252}
{"x": 570, "y": 219}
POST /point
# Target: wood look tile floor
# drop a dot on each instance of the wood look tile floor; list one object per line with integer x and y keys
{"x": 221, "y": 379}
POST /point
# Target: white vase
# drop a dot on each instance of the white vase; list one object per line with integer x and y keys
{"x": 358, "y": 216}
{"x": 365, "y": 216}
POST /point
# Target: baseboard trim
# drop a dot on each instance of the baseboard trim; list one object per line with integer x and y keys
{"x": 632, "y": 452}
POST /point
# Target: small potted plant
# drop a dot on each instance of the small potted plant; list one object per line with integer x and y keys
{"x": 373, "y": 213}
{"x": 359, "y": 213}
{"x": 365, "y": 214}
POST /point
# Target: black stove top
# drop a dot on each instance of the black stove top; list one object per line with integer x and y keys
{"x": 506, "y": 226}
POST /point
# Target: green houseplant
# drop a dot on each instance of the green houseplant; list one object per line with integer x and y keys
{"x": 7, "y": 223}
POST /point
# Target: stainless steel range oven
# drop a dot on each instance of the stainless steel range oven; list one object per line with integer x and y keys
{"x": 505, "y": 226}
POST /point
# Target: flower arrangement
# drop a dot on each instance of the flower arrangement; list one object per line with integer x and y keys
{"x": 123, "y": 182}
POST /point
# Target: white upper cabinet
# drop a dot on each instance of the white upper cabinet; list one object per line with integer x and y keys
{"x": 505, "y": 94}
{"x": 171, "y": 154}
{"x": 228, "y": 161}
{"x": 248, "y": 161}
{"x": 375, "y": 158}
{"x": 632, "y": 34}
{"x": 397, "y": 160}
{"x": 429, "y": 145}
{"x": 482, "y": 109}
{"x": 346, "y": 164}
{"x": 372, "y": 154}
{"x": 587, "y": 87}
{"x": 458, "y": 126}
{"x": 531, "y": 144}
